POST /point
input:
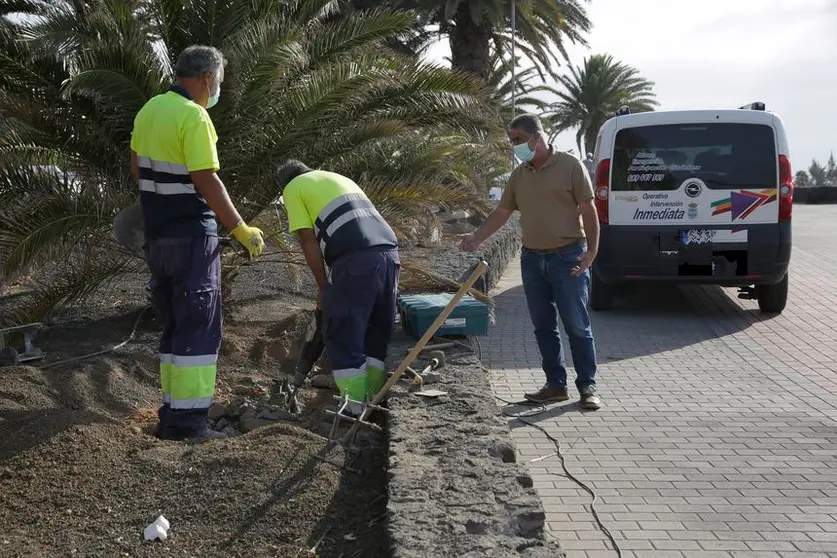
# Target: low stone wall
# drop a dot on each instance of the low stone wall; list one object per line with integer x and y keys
{"x": 455, "y": 488}
{"x": 497, "y": 252}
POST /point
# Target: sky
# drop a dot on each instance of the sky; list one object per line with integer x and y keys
{"x": 725, "y": 54}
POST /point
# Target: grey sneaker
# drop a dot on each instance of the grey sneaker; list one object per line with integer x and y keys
{"x": 548, "y": 394}
{"x": 590, "y": 399}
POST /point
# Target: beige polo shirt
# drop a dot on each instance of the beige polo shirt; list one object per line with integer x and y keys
{"x": 548, "y": 200}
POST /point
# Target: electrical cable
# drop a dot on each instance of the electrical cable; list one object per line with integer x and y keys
{"x": 541, "y": 408}
{"x": 104, "y": 351}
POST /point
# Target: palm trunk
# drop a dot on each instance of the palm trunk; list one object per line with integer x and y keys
{"x": 469, "y": 43}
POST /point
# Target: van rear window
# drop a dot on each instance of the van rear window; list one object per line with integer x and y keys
{"x": 723, "y": 155}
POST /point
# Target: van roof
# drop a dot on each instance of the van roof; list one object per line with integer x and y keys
{"x": 686, "y": 116}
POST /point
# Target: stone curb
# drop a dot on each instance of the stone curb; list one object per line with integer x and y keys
{"x": 455, "y": 488}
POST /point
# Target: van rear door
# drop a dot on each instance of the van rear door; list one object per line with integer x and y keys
{"x": 704, "y": 173}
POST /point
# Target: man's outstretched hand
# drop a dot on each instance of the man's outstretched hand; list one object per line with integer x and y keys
{"x": 585, "y": 260}
{"x": 468, "y": 242}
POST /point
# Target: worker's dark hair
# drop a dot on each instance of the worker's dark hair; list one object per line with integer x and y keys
{"x": 529, "y": 123}
{"x": 289, "y": 170}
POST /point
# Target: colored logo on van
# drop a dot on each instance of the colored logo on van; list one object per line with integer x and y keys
{"x": 692, "y": 212}
{"x": 742, "y": 204}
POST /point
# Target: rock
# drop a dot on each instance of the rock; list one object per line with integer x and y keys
{"x": 476, "y": 220}
{"x": 525, "y": 481}
{"x": 221, "y": 424}
{"x": 530, "y": 523}
{"x": 475, "y": 527}
{"x": 323, "y": 381}
{"x": 230, "y": 431}
{"x": 430, "y": 235}
{"x": 254, "y": 391}
{"x": 460, "y": 214}
{"x": 216, "y": 411}
{"x": 250, "y": 424}
{"x": 503, "y": 451}
{"x": 431, "y": 378}
{"x": 274, "y": 413}
{"x": 460, "y": 228}
{"x": 246, "y": 412}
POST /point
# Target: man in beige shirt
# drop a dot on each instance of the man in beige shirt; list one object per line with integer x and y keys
{"x": 553, "y": 193}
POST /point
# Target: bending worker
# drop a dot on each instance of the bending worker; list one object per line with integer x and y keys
{"x": 174, "y": 159}
{"x": 339, "y": 227}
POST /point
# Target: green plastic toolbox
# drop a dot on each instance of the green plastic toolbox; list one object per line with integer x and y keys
{"x": 470, "y": 317}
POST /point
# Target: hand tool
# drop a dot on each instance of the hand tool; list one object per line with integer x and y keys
{"x": 312, "y": 348}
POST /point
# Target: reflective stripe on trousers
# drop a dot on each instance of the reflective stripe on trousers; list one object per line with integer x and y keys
{"x": 355, "y": 383}
{"x": 375, "y": 371}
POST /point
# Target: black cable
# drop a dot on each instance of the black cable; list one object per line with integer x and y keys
{"x": 104, "y": 351}
{"x": 540, "y": 408}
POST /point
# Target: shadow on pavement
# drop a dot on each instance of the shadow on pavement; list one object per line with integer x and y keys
{"x": 648, "y": 320}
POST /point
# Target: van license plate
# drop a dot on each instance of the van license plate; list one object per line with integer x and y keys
{"x": 697, "y": 236}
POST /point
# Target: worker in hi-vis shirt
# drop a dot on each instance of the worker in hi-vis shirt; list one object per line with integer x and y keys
{"x": 339, "y": 228}
{"x": 174, "y": 159}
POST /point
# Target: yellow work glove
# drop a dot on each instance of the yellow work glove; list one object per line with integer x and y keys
{"x": 249, "y": 237}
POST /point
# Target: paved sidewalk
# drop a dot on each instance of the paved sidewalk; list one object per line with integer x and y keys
{"x": 719, "y": 433}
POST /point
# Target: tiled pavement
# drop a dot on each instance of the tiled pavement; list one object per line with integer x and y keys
{"x": 719, "y": 433}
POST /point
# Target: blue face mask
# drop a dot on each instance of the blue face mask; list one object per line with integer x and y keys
{"x": 523, "y": 152}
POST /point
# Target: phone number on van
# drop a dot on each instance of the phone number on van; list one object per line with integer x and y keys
{"x": 646, "y": 177}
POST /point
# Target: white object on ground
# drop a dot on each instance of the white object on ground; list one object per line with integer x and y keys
{"x": 163, "y": 522}
{"x": 154, "y": 532}
{"x": 159, "y": 529}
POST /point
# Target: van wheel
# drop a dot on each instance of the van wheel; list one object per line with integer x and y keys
{"x": 601, "y": 294}
{"x": 773, "y": 298}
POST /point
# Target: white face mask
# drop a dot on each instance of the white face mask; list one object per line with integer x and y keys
{"x": 214, "y": 97}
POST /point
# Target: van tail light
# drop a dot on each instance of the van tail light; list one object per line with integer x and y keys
{"x": 785, "y": 189}
{"x": 601, "y": 189}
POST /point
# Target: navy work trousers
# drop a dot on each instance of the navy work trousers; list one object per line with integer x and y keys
{"x": 186, "y": 293}
{"x": 359, "y": 317}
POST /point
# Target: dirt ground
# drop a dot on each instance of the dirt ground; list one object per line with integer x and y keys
{"x": 82, "y": 475}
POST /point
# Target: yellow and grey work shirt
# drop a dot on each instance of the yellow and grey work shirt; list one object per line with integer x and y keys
{"x": 342, "y": 217}
{"x": 172, "y": 137}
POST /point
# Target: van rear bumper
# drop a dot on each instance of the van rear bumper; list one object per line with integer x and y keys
{"x": 629, "y": 253}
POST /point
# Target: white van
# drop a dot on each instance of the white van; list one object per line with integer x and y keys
{"x": 697, "y": 196}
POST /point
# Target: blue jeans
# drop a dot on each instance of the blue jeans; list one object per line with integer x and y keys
{"x": 552, "y": 291}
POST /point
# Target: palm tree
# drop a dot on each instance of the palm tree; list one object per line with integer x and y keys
{"x": 531, "y": 90}
{"x": 476, "y": 27}
{"x": 592, "y": 93}
{"x": 301, "y": 83}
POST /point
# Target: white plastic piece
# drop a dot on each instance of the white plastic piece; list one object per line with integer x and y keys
{"x": 163, "y": 522}
{"x": 154, "y": 532}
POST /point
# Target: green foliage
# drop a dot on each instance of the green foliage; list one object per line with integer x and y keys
{"x": 304, "y": 80}
{"x": 818, "y": 175}
{"x": 592, "y": 92}
{"x": 543, "y": 29}
{"x": 530, "y": 91}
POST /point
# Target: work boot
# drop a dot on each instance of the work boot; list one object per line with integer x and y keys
{"x": 548, "y": 394}
{"x": 204, "y": 436}
{"x": 590, "y": 399}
